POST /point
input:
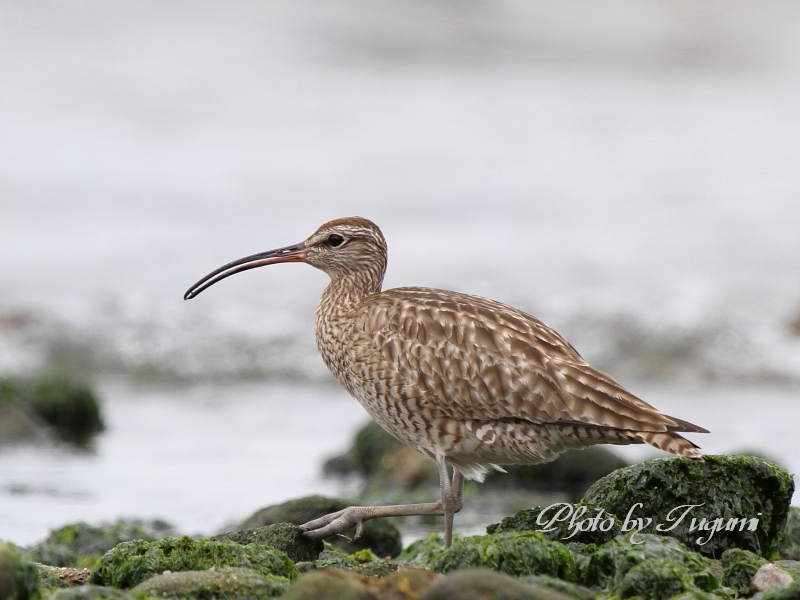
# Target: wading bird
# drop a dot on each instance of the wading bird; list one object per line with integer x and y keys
{"x": 461, "y": 379}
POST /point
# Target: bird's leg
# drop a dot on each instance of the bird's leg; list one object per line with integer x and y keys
{"x": 354, "y": 516}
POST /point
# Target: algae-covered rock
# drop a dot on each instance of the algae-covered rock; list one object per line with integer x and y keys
{"x": 226, "y": 583}
{"x": 740, "y": 566}
{"x": 666, "y": 557}
{"x": 89, "y": 592}
{"x": 379, "y": 535}
{"x": 582, "y": 522}
{"x": 130, "y": 563}
{"x": 18, "y": 576}
{"x": 81, "y": 545}
{"x": 514, "y": 553}
{"x": 330, "y": 584}
{"x": 286, "y": 537}
{"x": 483, "y": 584}
{"x": 789, "y": 546}
{"x": 721, "y": 496}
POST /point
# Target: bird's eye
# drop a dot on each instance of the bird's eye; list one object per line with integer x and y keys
{"x": 335, "y": 239}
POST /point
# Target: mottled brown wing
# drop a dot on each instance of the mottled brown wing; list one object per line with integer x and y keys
{"x": 472, "y": 358}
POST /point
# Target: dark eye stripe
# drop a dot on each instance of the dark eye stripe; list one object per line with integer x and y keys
{"x": 335, "y": 239}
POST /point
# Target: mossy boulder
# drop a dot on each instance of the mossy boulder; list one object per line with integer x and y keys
{"x": 727, "y": 494}
{"x": 81, "y": 545}
{"x": 424, "y": 551}
{"x": 18, "y": 576}
{"x": 515, "y": 553}
{"x": 379, "y": 535}
{"x": 789, "y": 546}
{"x": 225, "y": 583}
{"x": 286, "y": 537}
{"x": 484, "y": 584}
{"x": 739, "y": 567}
{"x": 130, "y": 563}
{"x": 90, "y": 592}
{"x": 573, "y": 590}
{"x": 669, "y": 567}
{"x": 51, "y": 578}
{"x": 582, "y": 522}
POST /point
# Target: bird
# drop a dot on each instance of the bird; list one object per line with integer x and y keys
{"x": 471, "y": 383}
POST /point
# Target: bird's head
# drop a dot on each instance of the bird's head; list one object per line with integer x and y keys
{"x": 350, "y": 246}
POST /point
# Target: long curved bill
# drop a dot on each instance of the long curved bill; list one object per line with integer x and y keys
{"x": 296, "y": 253}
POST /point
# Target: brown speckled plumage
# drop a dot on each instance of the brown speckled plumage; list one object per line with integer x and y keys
{"x": 462, "y": 379}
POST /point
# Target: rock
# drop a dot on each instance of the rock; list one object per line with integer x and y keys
{"x": 573, "y": 590}
{"x": 408, "y": 584}
{"x": 740, "y": 567}
{"x": 130, "y": 563}
{"x": 330, "y": 584}
{"x": 89, "y": 592}
{"x": 769, "y": 576}
{"x": 572, "y": 473}
{"x": 18, "y": 576}
{"x": 667, "y": 566}
{"x": 285, "y": 537}
{"x": 226, "y": 583}
{"x": 483, "y": 584}
{"x": 789, "y": 546}
{"x": 379, "y": 535}
{"x": 790, "y": 592}
{"x": 723, "y": 488}
{"x": 59, "y": 577}
{"x": 514, "y": 553}
{"x": 81, "y": 545}
{"x": 581, "y": 522}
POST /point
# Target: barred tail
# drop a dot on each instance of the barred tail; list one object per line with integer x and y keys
{"x": 669, "y": 442}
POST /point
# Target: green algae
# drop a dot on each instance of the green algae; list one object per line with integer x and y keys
{"x": 483, "y": 584}
{"x": 286, "y": 537}
{"x": 423, "y": 551}
{"x": 226, "y": 583}
{"x": 722, "y": 488}
{"x": 582, "y": 522}
{"x": 130, "y": 563}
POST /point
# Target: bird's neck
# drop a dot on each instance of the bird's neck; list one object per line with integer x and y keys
{"x": 345, "y": 292}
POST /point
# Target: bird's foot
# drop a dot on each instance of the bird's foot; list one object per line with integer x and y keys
{"x": 337, "y": 523}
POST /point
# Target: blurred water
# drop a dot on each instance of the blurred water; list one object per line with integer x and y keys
{"x": 625, "y": 171}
